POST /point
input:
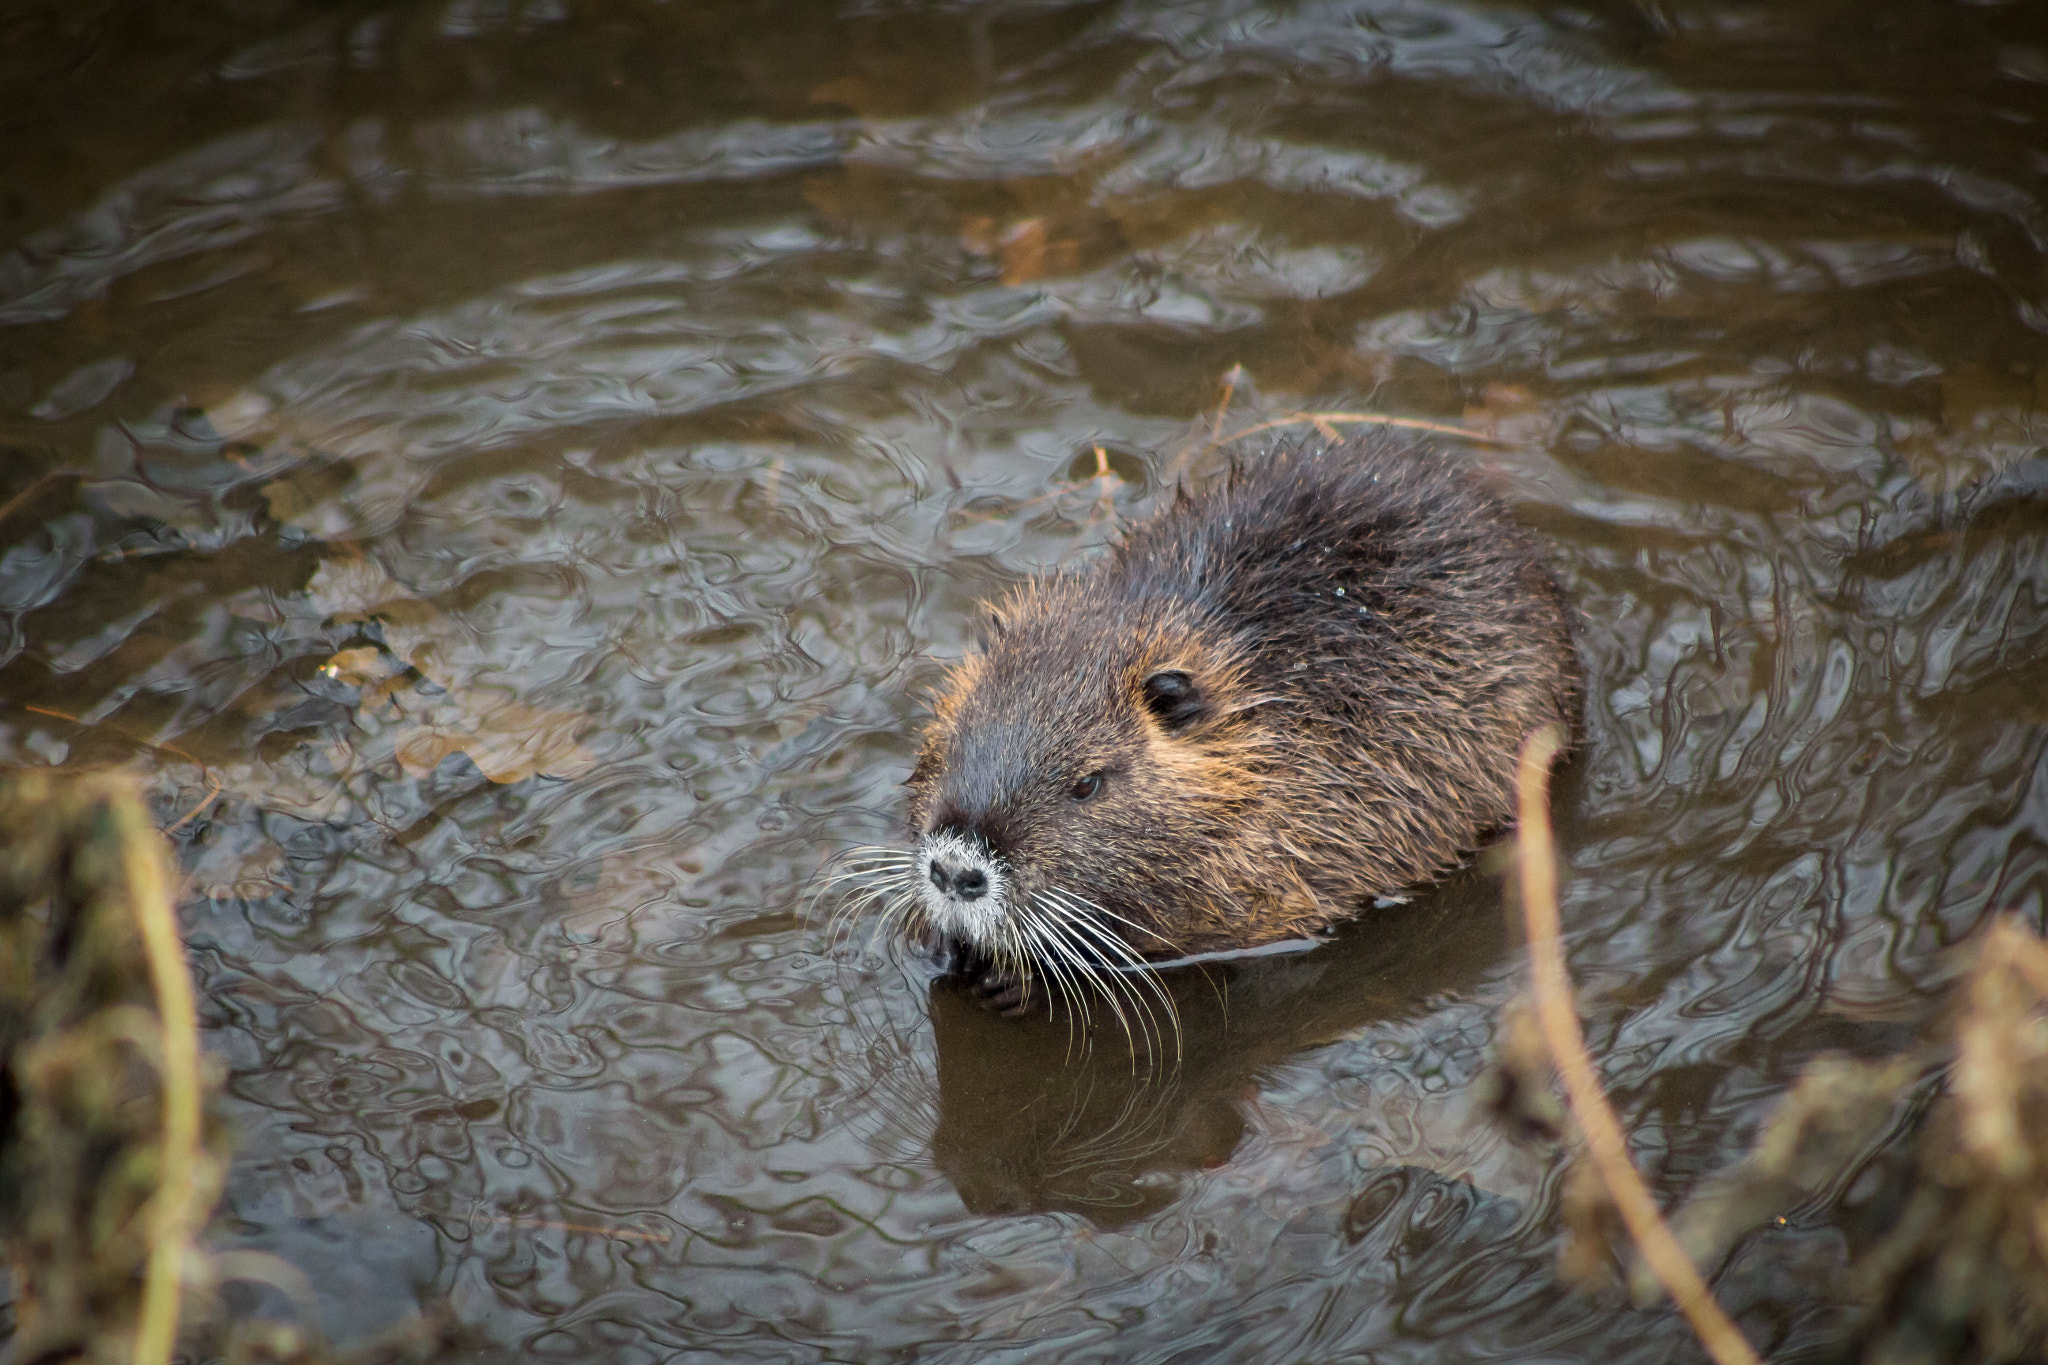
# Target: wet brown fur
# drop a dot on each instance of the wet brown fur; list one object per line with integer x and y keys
{"x": 1369, "y": 639}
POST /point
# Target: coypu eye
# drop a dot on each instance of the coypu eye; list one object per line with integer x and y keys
{"x": 1172, "y": 698}
{"x": 1086, "y": 787}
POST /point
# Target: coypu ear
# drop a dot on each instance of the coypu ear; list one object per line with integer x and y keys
{"x": 1172, "y": 698}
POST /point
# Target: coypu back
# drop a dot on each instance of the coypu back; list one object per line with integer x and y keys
{"x": 1299, "y": 688}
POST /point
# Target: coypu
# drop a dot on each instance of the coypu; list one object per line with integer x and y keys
{"x": 1275, "y": 700}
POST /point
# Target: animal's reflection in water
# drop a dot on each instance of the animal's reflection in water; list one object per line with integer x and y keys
{"x": 1051, "y": 1112}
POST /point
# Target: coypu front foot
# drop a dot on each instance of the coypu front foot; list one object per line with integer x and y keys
{"x": 991, "y": 986}
{"x": 1004, "y": 992}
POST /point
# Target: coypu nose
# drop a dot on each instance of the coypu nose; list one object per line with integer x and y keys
{"x": 963, "y": 883}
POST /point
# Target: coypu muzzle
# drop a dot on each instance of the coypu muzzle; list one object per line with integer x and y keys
{"x": 965, "y": 888}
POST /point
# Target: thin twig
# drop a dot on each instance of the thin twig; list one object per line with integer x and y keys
{"x": 214, "y": 788}
{"x": 1223, "y": 406}
{"x": 1551, "y": 985}
{"x": 1106, "y": 479}
{"x": 180, "y": 1201}
{"x": 1335, "y": 419}
{"x": 214, "y": 784}
{"x": 1325, "y": 424}
{"x": 36, "y": 488}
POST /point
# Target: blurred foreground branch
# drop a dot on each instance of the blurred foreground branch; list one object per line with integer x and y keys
{"x": 1960, "y": 1270}
{"x": 1951, "y": 1133}
{"x": 108, "y": 1165}
{"x": 111, "y": 1154}
{"x": 1559, "y": 1023}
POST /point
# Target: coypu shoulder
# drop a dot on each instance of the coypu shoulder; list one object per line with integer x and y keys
{"x": 1301, "y": 688}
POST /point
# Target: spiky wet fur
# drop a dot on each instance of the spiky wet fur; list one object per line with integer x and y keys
{"x": 1370, "y": 638}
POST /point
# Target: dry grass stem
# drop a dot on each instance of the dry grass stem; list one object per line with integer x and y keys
{"x": 214, "y": 787}
{"x": 1230, "y": 378}
{"x": 1559, "y": 1020}
{"x": 1327, "y": 422}
{"x": 186, "y": 1180}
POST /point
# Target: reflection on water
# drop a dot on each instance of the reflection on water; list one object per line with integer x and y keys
{"x": 506, "y": 470}
{"x": 1078, "y": 1112}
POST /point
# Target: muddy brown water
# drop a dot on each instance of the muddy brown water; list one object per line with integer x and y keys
{"x": 501, "y": 471}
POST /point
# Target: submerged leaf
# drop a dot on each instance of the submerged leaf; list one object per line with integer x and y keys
{"x": 508, "y": 743}
{"x": 508, "y": 740}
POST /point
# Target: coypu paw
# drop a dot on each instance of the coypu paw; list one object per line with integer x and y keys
{"x": 1007, "y": 993}
{"x": 992, "y": 987}
{"x": 949, "y": 953}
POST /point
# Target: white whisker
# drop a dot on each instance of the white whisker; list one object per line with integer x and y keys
{"x": 1082, "y": 915}
{"x": 1115, "y": 992}
{"x": 1060, "y": 973}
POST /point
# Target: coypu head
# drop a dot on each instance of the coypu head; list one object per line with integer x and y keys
{"x": 1076, "y": 778}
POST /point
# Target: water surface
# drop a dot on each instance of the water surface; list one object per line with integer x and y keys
{"x": 503, "y": 473}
